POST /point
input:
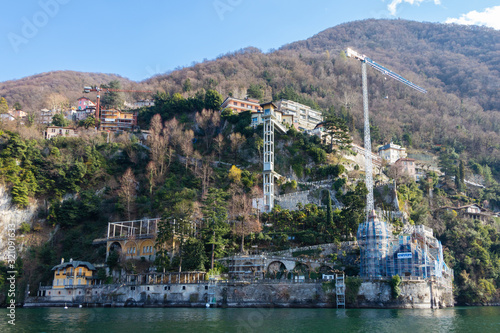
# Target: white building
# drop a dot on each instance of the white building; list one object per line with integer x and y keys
{"x": 392, "y": 152}
{"x": 53, "y": 131}
{"x": 304, "y": 117}
{"x": 7, "y": 117}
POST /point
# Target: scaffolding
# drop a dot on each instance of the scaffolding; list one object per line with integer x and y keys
{"x": 144, "y": 227}
{"x": 340, "y": 290}
{"x": 414, "y": 254}
{"x": 250, "y": 266}
{"x": 374, "y": 242}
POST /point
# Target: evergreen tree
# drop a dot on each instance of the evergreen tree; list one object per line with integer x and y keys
{"x": 112, "y": 99}
{"x": 461, "y": 174}
{"x": 338, "y": 132}
{"x": 59, "y": 120}
{"x": 216, "y": 227}
{"x": 4, "y": 107}
{"x": 213, "y": 100}
{"x": 329, "y": 211}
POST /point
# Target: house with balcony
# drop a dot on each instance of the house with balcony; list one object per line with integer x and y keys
{"x": 116, "y": 120}
{"x": 241, "y": 105}
{"x": 283, "y": 119}
{"x": 73, "y": 273}
{"x": 473, "y": 211}
{"x": 45, "y": 116}
{"x": 304, "y": 117}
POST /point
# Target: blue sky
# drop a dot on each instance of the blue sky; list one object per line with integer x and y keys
{"x": 138, "y": 39}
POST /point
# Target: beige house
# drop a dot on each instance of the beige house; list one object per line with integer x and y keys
{"x": 392, "y": 152}
{"x": 53, "y": 131}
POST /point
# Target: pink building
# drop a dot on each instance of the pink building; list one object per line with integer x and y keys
{"x": 84, "y": 103}
{"x": 407, "y": 165}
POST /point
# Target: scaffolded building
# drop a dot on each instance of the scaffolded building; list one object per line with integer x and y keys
{"x": 414, "y": 253}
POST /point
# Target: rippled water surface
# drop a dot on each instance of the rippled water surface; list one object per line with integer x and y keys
{"x": 470, "y": 319}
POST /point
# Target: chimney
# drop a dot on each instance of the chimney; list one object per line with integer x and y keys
{"x": 71, "y": 260}
{"x": 62, "y": 260}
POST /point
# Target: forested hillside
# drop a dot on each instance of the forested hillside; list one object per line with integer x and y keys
{"x": 203, "y": 165}
{"x": 458, "y": 65}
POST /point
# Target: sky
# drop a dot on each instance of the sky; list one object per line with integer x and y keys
{"x": 139, "y": 39}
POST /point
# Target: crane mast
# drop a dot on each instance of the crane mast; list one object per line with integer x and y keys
{"x": 367, "y": 140}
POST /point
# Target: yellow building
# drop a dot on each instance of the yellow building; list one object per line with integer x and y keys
{"x": 116, "y": 120}
{"x": 73, "y": 274}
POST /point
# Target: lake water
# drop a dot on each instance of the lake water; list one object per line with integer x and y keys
{"x": 460, "y": 319}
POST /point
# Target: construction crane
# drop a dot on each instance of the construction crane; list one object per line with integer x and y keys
{"x": 368, "y": 158}
{"x": 106, "y": 90}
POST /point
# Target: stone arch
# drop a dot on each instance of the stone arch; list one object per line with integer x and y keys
{"x": 130, "y": 302}
{"x": 276, "y": 269}
{"x": 324, "y": 269}
{"x": 301, "y": 267}
{"x": 115, "y": 247}
{"x": 249, "y": 267}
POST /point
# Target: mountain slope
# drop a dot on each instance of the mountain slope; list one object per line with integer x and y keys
{"x": 32, "y": 92}
{"x": 458, "y": 65}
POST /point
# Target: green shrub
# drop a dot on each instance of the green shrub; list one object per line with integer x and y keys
{"x": 395, "y": 290}
{"x": 24, "y": 228}
{"x": 352, "y": 289}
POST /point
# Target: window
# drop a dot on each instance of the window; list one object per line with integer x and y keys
{"x": 166, "y": 288}
{"x": 183, "y": 287}
{"x": 132, "y": 288}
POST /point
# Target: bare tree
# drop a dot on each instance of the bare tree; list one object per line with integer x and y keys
{"x": 186, "y": 144}
{"x": 151, "y": 171}
{"x": 241, "y": 213}
{"x": 174, "y": 131}
{"x": 219, "y": 144}
{"x": 205, "y": 172}
{"x": 236, "y": 141}
{"x": 127, "y": 190}
{"x": 158, "y": 142}
{"x": 208, "y": 121}
{"x": 57, "y": 102}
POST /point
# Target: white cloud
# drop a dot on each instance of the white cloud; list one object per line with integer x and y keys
{"x": 392, "y": 7}
{"x": 490, "y": 17}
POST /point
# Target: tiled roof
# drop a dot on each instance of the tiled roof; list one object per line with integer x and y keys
{"x": 75, "y": 264}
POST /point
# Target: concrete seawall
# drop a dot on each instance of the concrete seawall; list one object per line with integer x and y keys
{"x": 273, "y": 293}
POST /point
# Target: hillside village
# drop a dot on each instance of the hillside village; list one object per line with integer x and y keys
{"x": 168, "y": 190}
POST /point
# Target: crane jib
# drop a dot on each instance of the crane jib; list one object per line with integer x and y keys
{"x": 395, "y": 76}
